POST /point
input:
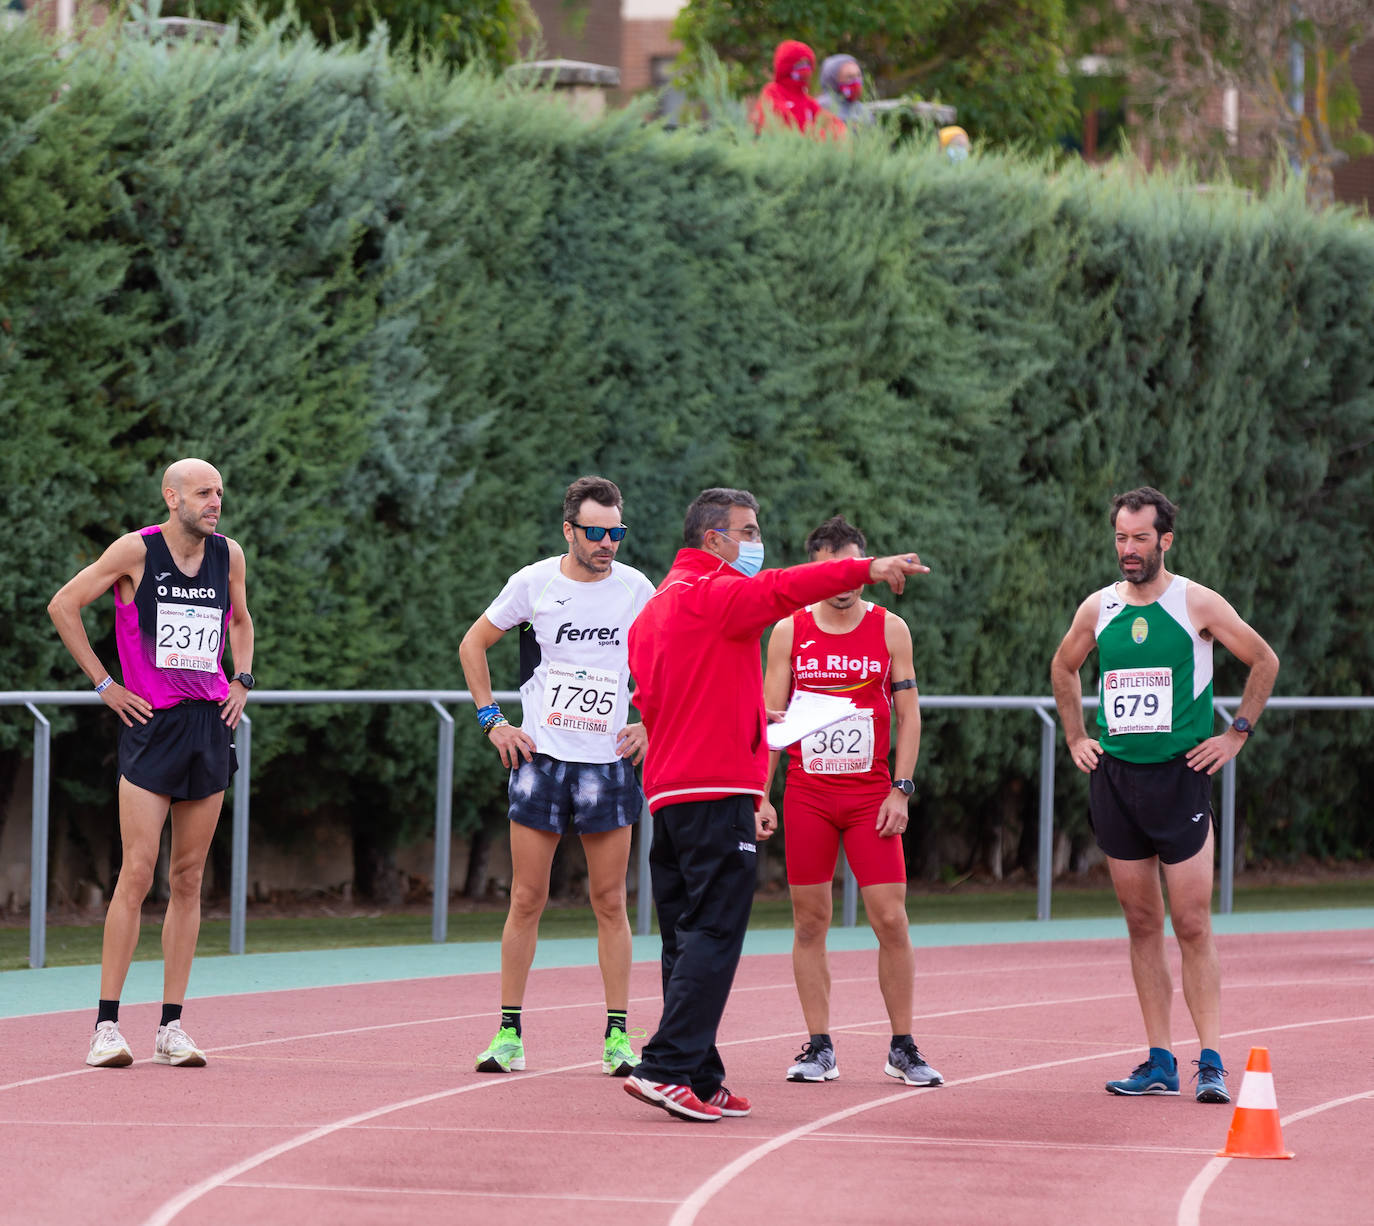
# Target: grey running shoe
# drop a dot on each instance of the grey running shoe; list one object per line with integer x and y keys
{"x": 905, "y": 1062}
{"x": 814, "y": 1064}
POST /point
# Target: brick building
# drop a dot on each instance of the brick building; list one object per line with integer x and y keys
{"x": 631, "y": 35}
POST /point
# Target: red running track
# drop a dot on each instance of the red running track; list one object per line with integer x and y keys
{"x": 356, "y": 1105}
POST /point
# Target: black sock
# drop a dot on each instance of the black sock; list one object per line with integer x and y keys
{"x": 615, "y": 1020}
{"x": 901, "y": 1040}
{"x": 108, "y": 1012}
{"x": 511, "y": 1017}
{"x": 821, "y": 1040}
{"x": 170, "y": 1014}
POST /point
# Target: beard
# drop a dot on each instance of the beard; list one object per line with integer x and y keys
{"x": 589, "y": 558}
{"x": 193, "y": 523}
{"x": 845, "y": 600}
{"x": 1149, "y": 566}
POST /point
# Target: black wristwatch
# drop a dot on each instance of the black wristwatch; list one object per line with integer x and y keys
{"x": 905, "y": 786}
{"x": 1242, "y": 725}
{"x": 244, "y": 679}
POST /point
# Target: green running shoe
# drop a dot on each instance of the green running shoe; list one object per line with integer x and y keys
{"x": 618, "y": 1059}
{"x": 506, "y": 1052}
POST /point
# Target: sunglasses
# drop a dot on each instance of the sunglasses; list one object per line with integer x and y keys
{"x": 595, "y": 534}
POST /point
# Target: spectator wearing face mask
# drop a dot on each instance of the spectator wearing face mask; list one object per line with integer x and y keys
{"x": 842, "y": 87}
{"x": 954, "y": 143}
{"x": 787, "y": 97}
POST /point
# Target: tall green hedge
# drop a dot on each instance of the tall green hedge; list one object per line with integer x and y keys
{"x": 400, "y": 311}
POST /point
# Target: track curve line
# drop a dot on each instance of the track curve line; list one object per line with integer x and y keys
{"x": 1190, "y": 1207}
{"x": 687, "y": 1212}
{"x": 168, "y": 1211}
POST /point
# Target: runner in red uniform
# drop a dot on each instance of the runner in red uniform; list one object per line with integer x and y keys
{"x": 839, "y": 788}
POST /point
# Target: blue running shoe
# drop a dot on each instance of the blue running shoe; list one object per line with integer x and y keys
{"x": 1211, "y": 1086}
{"x": 1154, "y": 1076}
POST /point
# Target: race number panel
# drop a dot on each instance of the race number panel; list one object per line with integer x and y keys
{"x": 579, "y": 699}
{"x": 188, "y": 636}
{"x": 1138, "y": 700}
{"x": 845, "y": 748}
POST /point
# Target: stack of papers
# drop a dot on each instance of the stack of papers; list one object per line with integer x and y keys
{"x": 807, "y": 713}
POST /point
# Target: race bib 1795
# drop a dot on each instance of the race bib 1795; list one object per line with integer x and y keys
{"x": 580, "y": 699}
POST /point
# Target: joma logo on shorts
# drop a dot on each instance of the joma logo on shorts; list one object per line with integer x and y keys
{"x": 748, "y": 847}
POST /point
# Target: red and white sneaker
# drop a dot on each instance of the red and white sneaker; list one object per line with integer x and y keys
{"x": 675, "y": 1100}
{"x": 730, "y": 1104}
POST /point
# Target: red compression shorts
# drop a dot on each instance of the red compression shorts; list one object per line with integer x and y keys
{"x": 815, "y": 819}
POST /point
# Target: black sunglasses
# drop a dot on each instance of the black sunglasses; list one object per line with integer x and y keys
{"x": 595, "y": 534}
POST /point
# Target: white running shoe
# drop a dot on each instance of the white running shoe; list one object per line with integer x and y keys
{"x": 174, "y": 1046}
{"x": 108, "y": 1048}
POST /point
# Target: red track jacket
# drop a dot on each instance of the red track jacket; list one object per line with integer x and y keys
{"x": 694, "y": 655}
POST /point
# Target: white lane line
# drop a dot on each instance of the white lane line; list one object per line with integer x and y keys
{"x": 687, "y": 1212}
{"x": 317, "y": 1034}
{"x": 963, "y": 972}
{"x": 1190, "y": 1207}
{"x": 389, "y": 1192}
{"x": 462, "y": 1017}
{"x": 731, "y": 1136}
{"x": 875, "y": 1138}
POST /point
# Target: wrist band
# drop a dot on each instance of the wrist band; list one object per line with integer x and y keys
{"x": 499, "y": 722}
{"x": 104, "y": 685}
{"x": 488, "y": 715}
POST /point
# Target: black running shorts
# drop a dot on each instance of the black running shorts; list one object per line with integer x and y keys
{"x": 185, "y": 752}
{"x": 1144, "y": 809}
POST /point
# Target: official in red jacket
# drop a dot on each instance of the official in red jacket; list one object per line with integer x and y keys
{"x": 787, "y": 99}
{"x": 694, "y": 654}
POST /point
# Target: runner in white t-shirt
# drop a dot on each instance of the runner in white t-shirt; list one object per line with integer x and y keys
{"x": 573, "y": 759}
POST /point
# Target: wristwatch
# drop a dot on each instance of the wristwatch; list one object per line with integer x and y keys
{"x": 244, "y": 679}
{"x": 905, "y": 786}
{"x": 1242, "y": 725}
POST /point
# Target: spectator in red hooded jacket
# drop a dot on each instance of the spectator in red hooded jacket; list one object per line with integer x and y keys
{"x": 787, "y": 97}
{"x": 694, "y": 652}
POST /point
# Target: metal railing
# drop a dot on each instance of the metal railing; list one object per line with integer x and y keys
{"x": 1043, "y": 708}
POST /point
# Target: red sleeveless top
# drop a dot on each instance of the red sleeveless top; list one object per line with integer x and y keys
{"x": 856, "y": 666}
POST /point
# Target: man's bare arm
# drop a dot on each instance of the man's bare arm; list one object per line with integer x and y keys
{"x": 1212, "y": 614}
{"x": 1068, "y": 685}
{"x": 123, "y": 559}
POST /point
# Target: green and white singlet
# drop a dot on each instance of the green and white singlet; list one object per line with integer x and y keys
{"x": 1155, "y": 690}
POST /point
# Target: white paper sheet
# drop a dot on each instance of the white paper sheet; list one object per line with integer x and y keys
{"x": 806, "y": 713}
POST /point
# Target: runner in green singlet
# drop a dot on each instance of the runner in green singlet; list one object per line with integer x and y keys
{"x": 1150, "y": 768}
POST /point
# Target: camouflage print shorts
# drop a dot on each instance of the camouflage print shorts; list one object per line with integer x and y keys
{"x": 582, "y": 797}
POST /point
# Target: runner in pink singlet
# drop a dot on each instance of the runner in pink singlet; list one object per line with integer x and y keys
{"x": 179, "y": 591}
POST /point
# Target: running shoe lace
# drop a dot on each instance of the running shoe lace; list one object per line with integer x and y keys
{"x": 1208, "y": 1067}
{"x": 809, "y": 1052}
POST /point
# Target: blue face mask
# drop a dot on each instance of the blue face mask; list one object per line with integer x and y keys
{"x": 750, "y": 560}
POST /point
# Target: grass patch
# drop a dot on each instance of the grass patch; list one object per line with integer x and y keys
{"x": 79, "y": 944}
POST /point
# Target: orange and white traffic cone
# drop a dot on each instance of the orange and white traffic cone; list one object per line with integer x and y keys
{"x": 1255, "y": 1131}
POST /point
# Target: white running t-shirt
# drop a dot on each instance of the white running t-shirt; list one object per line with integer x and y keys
{"x": 574, "y": 667}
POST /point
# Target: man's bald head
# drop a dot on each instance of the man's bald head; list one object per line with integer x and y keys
{"x": 180, "y": 472}
{"x": 193, "y": 490}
